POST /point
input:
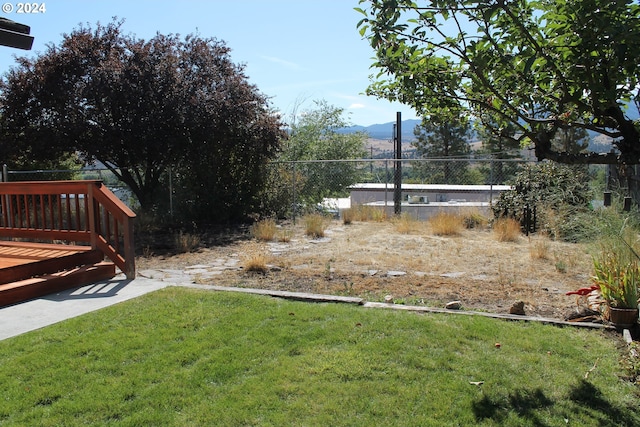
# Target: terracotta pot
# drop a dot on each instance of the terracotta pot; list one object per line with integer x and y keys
{"x": 623, "y": 316}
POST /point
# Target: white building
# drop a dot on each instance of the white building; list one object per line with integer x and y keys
{"x": 425, "y": 200}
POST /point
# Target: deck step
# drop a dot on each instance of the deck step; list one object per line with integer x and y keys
{"x": 40, "y": 267}
{"x": 23, "y": 290}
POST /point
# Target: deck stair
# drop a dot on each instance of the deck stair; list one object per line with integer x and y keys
{"x": 61, "y": 235}
{"x": 32, "y": 270}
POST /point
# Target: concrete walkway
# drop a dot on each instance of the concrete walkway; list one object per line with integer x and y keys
{"x": 38, "y": 313}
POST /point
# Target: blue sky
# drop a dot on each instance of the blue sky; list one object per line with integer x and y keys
{"x": 295, "y": 51}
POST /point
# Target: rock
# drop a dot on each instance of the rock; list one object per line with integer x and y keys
{"x": 396, "y": 273}
{"x": 453, "y": 275}
{"x": 453, "y": 305}
{"x": 388, "y": 299}
{"x": 517, "y": 308}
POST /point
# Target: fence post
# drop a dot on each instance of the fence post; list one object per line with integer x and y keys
{"x": 170, "y": 193}
{"x": 5, "y": 173}
{"x": 397, "y": 182}
{"x": 293, "y": 191}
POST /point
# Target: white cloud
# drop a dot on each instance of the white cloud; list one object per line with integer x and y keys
{"x": 356, "y": 106}
{"x": 287, "y": 64}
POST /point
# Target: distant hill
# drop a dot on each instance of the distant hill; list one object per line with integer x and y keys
{"x": 385, "y": 131}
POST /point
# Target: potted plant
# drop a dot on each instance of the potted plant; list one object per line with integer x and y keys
{"x": 618, "y": 277}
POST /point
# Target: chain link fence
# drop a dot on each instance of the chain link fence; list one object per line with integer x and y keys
{"x": 296, "y": 187}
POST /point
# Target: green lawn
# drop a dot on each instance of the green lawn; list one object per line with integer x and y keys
{"x": 184, "y": 357}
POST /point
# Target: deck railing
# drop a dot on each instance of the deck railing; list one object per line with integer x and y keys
{"x": 69, "y": 211}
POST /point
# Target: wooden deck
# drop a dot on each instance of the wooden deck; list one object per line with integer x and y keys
{"x": 19, "y": 253}
{"x": 30, "y": 270}
{"x": 61, "y": 211}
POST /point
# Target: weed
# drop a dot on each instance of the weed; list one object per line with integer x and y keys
{"x": 284, "y": 235}
{"x": 255, "y": 259}
{"x": 631, "y": 362}
{"x": 186, "y": 242}
{"x": 147, "y": 252}
{"x": 348, "y": 216}
{"x": 348, "y": 288}
{"x": 328, "y": 269}
{"x": 315, "y": 225}
{"x": 264, "y": 230}
{"x": 446, "y": 224}
{"x": 506, "y": 230}
{"x": 539, "y": 248}
{"x": 405, "y": 224}
{"x": 368, "y": 213}
{"x": 561, "y": 266}
{"x": 474, "y": 219}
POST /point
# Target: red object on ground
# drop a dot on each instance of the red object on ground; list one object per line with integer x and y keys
{"x": 584, "y": 291}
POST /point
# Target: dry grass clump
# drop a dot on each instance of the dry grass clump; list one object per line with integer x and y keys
{"x": 405, "y": 224}
{"x": 264, "y": 230}
{"x": 315, "y": 225}
{"x": 539, "y": 248}
{"x": 284, "y": 235}
{"x": 507, "y": 230}
{"x": 446, "y": 224}
{"x": 186, "y": 242}
{"x": 474, "y": 219}
{"x": 365, "y": 213}
{"x": 255, "y": 259}
{"x": 348, "y": 216}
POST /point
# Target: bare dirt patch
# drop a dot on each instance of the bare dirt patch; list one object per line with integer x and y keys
{"x": 373, "y": 260}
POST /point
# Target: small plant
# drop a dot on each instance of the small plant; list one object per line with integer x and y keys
{"x": 506, "y": 230}
{"x": 539, "y": 248}
{"x": 186, "y": 242}
{"x": 446, "y": 224}
{"x": 264, "y": 230}
{"x": 631, "y": 362}
{"x": 328, "y": 270}
{"x": 561, "y": 266}
{"x": 284, "y": 235}
{"x": 405, "y": 223}
{"x": 474, "y": 219}
{"x": 618, "y": 279}
{"x": 255, "y": 260}
{"x": 147, "y": 252}
{"x": 348, "y": 215}
{"x": 315, "y": 225}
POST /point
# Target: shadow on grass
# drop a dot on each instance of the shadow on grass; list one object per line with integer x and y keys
{"x": 524, "y": 403}
{"x": 592, "y": 401}
{"x": 584, "y": 401}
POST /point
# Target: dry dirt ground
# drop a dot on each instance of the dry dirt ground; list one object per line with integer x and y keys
{"x": 374, "y": 260}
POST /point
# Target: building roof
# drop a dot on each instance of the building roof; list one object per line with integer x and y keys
{"x": 430, "y": 187}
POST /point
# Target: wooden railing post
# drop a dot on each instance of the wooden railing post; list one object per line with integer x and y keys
{"x": 90, "y": 204}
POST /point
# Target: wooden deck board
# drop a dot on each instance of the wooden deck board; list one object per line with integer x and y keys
{"x": 20, "y": 253}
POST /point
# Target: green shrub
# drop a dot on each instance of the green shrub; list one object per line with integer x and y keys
{"x": 558, "y": 194}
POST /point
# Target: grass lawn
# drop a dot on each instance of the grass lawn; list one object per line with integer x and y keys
{"x": 184, "y": 357}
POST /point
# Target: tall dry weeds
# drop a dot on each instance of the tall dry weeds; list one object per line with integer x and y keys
{"x": 506, "y": 230}
{"x": 446, "y": 224}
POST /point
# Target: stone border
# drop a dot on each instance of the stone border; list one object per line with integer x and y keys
{"x": 307, "y": 297}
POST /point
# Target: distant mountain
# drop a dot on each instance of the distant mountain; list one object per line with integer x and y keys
{"x": 385, "y": 131}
